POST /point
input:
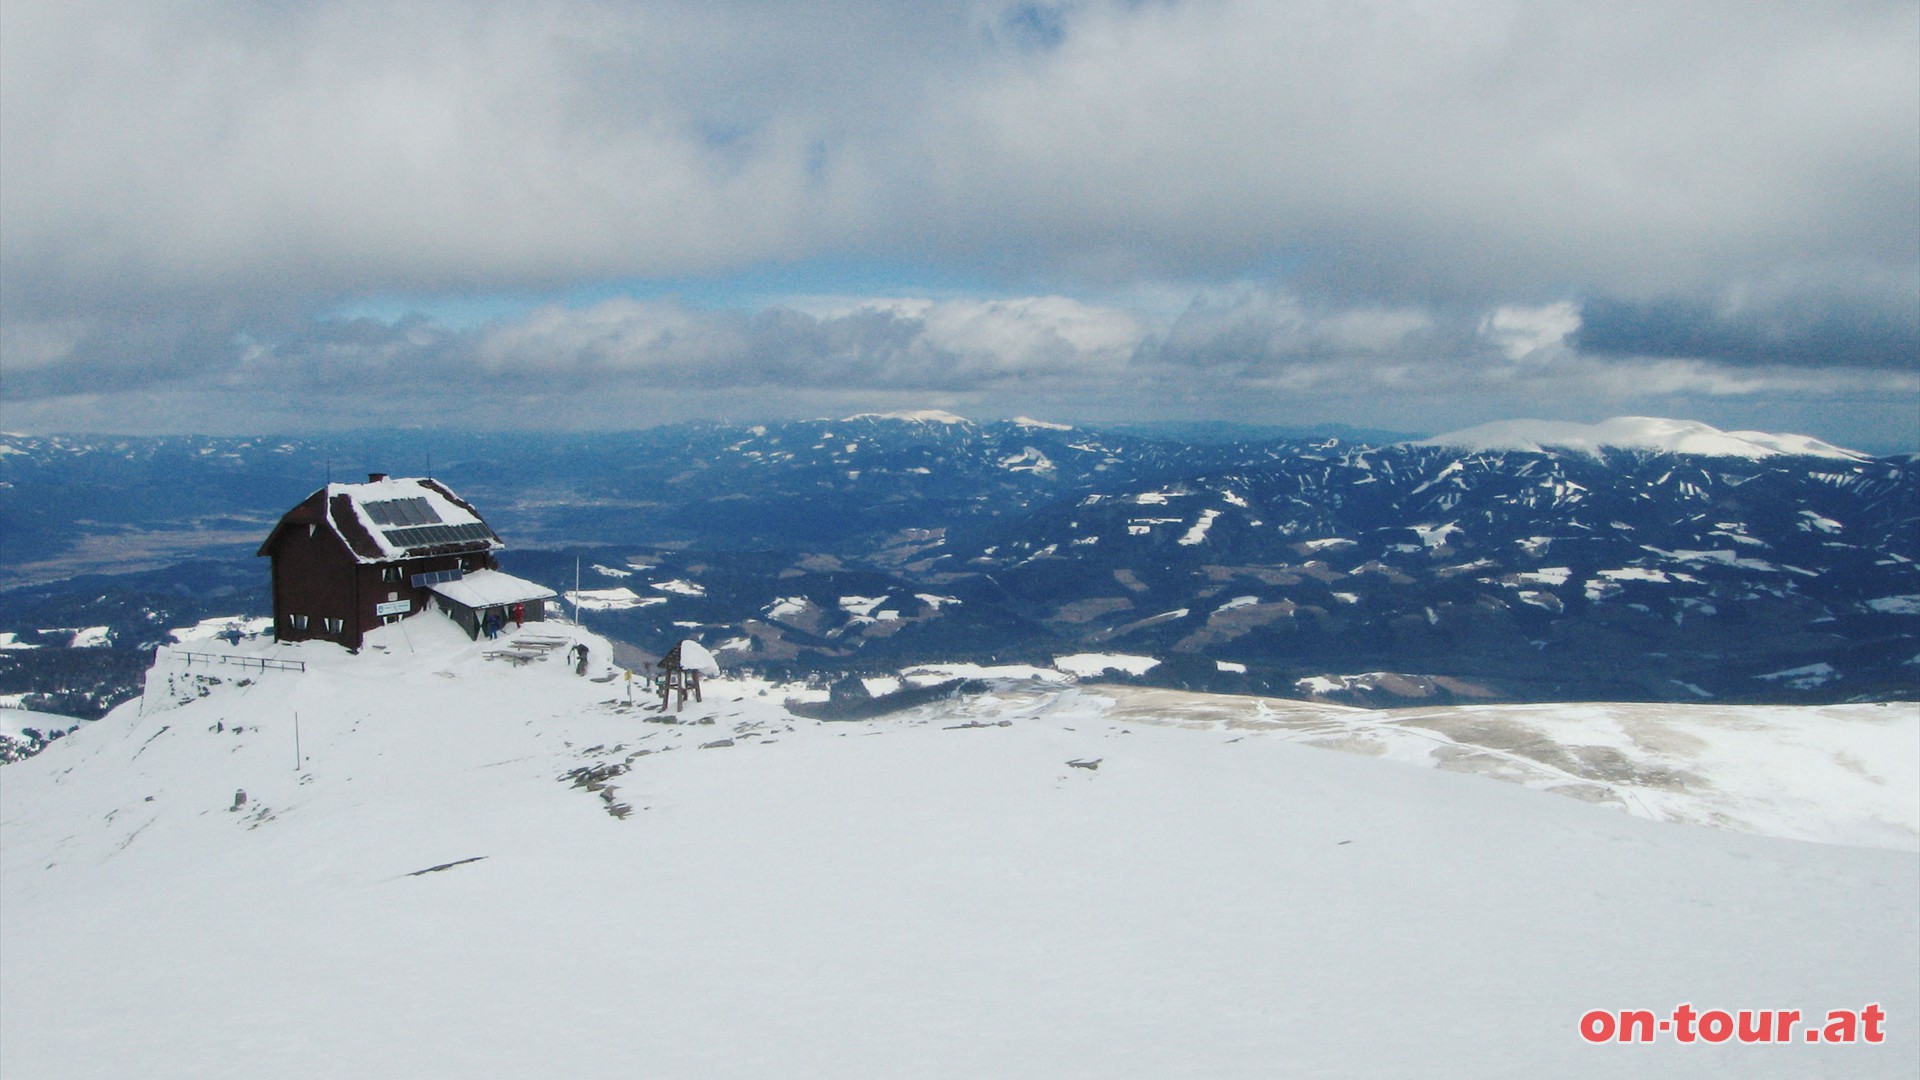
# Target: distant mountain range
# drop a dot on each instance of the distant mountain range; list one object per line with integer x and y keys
{"x": 1644, "y": 433}
{"x": 1639, "y": 559}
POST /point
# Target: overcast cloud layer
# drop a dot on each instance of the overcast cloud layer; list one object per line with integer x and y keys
{"x": 244, "y": 216}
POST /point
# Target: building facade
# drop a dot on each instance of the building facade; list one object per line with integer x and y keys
{"x": 352, "y": 557}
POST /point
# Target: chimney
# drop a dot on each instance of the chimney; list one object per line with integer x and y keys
{"x": 375, "y": 477}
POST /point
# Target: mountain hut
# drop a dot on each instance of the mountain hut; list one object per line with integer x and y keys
{"x": 351, "y": 557}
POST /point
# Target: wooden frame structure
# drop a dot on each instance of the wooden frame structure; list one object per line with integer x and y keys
{"x": 680, "y": 673}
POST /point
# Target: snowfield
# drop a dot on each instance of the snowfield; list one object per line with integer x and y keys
{"x": 611, "y": 599}
{"x": 1091, "y": 665}
{"x": 208, "y": 629}
{"x": 476, "y": 869}
{"x": 16, "y": 719}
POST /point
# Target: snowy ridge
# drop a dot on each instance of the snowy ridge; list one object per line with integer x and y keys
{"x": 917, "y": 416}
{"x": 477, "y": 868}
{"x": 1045, "y": 425}
{"x": 1636, "y": 433}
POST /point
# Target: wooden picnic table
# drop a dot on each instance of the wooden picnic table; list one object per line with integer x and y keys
{"x": 516, "y": 656}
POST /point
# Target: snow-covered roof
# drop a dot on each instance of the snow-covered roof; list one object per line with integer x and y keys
{"x": 390, "y": 518}
{"x": 491, "y": 588}
{"x": 690, "y": 655}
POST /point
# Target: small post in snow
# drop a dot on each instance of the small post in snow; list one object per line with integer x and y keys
{"x": 296, "y": 742}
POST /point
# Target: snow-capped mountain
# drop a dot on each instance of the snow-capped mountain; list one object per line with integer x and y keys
{"x": 1642, "y": 433}
{"x": 419, "y": 862}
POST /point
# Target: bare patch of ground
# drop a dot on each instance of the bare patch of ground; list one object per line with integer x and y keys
{"x": 1085, "y": 611}
{"x": 137, "y": 550}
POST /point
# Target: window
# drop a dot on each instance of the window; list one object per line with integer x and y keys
{"x": 390, "y": 574}
{"x": 334, "y": 626}
{"x": 298, "y": 622}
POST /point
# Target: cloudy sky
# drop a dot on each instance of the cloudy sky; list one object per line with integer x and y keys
{"x": 1412, "y": 214}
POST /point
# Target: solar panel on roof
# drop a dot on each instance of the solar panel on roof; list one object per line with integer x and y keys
{"x": 425, "y": 535}
{"x": 403, "y": 512}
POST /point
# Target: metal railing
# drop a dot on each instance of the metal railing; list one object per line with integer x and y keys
{"x": 264, "y": 663}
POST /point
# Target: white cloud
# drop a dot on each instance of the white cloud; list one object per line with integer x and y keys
{"x": 1646, "y": 379}
{"x": 1039, "y": 332}
{"x": 1523, "y": 332}
{"x": 27, "y": 344}
{"x": 891, "y": 343}
{"x": 1206, "y": 208}
{"x": 1461, "y": 146}
{"x": 1404, "y": 146}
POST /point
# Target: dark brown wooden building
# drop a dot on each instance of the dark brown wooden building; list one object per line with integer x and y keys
{"x": 352, "y": 557}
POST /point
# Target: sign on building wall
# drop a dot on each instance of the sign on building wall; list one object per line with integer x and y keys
{"x": 394, "y": 607}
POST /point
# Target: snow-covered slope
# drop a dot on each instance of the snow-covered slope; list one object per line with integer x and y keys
{"x": 478, "y": 869}
{"x": 1637, "y": 433}
{"x": 1840, "y": 774}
